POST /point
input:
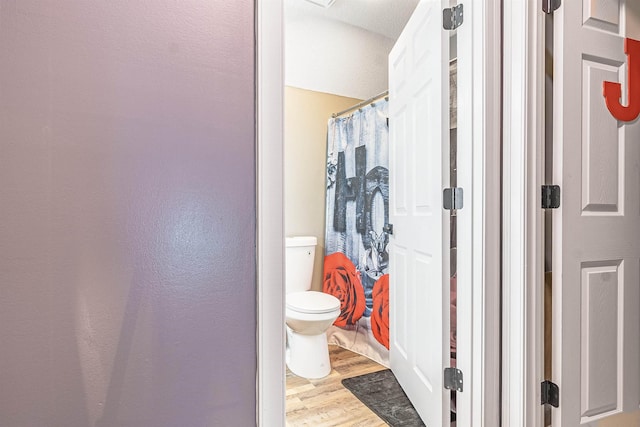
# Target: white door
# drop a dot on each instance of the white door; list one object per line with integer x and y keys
{"x": 596, "y": 230}
{"x": 419, "y": 261}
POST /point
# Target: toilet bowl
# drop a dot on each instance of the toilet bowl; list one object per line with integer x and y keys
{"x": 308, "y": 314}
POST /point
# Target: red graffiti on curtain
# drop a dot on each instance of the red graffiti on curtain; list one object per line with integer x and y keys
{"x": 613, "y": 90}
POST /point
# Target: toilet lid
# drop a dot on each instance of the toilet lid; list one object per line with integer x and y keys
{"x": 312, "y": 302}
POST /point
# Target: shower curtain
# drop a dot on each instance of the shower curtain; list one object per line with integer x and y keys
{"x": 356, "y": 257}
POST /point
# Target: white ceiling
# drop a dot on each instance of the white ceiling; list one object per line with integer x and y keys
{"x": 384, "y": 17}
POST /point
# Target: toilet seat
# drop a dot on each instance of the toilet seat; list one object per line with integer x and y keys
{"x": 312, "y": 302}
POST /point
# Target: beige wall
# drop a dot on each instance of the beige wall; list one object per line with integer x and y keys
{"x": 623, "y": 420}
{"x": 633, "y": 20}
{"x": 305, "y": 143}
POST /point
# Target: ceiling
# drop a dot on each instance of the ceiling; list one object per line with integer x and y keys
{"x": 384, "y": 17}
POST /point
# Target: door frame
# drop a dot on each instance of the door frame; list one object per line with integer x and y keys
{"x": 270, "y": 332}
{"x": 481, "y": 232}
{"x": 484, "y": 358}
{"x": 523, "y": 226}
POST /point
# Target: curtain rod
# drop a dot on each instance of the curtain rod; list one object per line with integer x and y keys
{"x": 361, "y": 104}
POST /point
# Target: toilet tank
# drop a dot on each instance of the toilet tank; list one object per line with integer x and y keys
{"x": 300, "y": 252}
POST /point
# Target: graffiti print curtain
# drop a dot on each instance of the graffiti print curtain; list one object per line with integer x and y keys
{"x": 356, "y": 257}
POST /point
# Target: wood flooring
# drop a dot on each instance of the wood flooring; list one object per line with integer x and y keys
{"x": 325, "y": 402}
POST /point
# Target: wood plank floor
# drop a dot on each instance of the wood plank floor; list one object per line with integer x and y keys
{"x": 325, "y": 402}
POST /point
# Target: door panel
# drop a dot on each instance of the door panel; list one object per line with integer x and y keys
{"x": 602, "y": 14}
{"x": 596, "y": 230}
{"x": 601, "y": 141}
{"x": 600, "y": 283}
{"x": 419, "y": 146}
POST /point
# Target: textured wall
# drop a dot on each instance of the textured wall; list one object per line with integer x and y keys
{"x": 334, "y": 57}
{"x": 127, "y": 213}
{"x": 305, "y": 141}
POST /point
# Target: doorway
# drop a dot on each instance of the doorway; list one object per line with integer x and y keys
{"x": 484, "y": 297}
{"x": 336, "y": 77}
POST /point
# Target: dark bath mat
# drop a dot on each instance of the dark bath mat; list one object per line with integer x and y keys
{"x": 381, "y": 393}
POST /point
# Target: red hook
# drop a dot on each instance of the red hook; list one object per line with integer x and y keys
{"x": 613, "y": 91}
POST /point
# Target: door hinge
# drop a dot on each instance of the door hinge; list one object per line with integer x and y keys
{"x": 550, "y": 196}
{"x": 453, "y": 379}
{"x": 388, "y": 228}
{"x": 549, "y": 394}
{"x": 452, "y": 17}
{"x": 550, "y": 6}
{"x": 452, "y": 198}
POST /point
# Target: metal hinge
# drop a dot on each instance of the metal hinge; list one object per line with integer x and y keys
{"x": 452, "y": 198}
{"x": 549, "y": 394}
{"x": 453, "y": 379}
{"x": 550, "y": 196}
{"x": 550, "y": 6}
{"x": 452, "y": 17}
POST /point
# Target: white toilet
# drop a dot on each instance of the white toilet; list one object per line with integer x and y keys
{"x": 308, "y": 313}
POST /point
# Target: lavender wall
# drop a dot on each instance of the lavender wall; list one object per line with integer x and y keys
{"x": 127, "y": 213}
